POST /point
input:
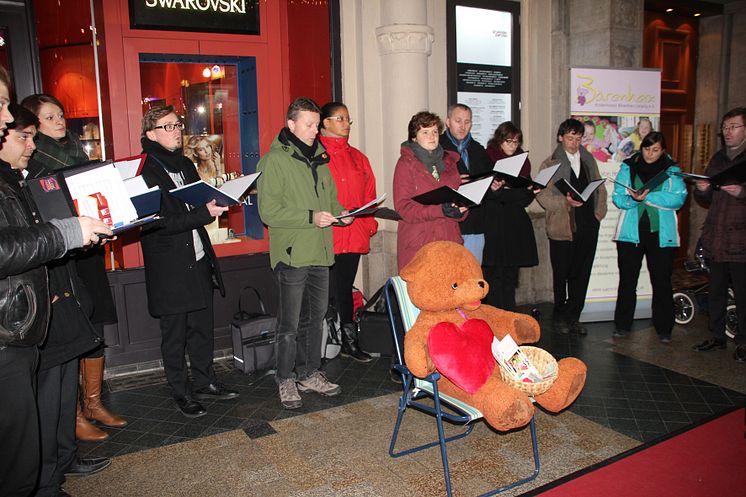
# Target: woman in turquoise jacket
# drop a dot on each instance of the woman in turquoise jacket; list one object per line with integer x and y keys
{"x": 647, "y": 226}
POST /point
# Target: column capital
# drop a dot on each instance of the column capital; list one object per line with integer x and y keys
{"x": 404, "y": 38}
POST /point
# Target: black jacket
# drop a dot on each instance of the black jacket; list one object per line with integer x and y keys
{"x": 24, "y": 247}
{"x": 479, "y": 165}
{"x": 168, "y": 245}
{"x": 509, "y": 239}
{"x": 90, "y": 267}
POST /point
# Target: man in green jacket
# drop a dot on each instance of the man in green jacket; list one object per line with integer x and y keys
{"x": 298, "y": 201}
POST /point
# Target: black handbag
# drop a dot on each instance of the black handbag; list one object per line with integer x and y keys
{"x": 373, "y": 330}
{"x": 254, "y": 336}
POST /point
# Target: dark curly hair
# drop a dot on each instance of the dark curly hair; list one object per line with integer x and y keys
{"x": 506, "y": 131}
{"x": 421, "y": 120}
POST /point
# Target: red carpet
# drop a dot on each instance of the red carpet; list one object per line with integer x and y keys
{"x": 706, "y": 461}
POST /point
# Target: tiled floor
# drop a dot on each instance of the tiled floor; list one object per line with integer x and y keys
{"x": 635, "y": 398}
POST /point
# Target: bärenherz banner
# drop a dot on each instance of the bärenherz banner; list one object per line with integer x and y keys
{"x": 615, "y": 92}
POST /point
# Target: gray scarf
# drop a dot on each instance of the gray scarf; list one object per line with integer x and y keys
{"x": 431, "y": 159}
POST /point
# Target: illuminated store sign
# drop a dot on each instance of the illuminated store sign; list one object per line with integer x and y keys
{"x": 218, "y": 16}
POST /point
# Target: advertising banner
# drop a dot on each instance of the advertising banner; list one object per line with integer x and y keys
{"x": 615, "y": 92}
{"x": 627, "y": 107}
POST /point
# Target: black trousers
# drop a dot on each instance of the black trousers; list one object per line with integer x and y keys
{"x": 659, "y": 261}
{"x": 720, "y": 274}
{"x": 503, "y": 281}
{"x": 572, "y": 262}
{"x": 191, "y": 332}
{"x": 19, "y": 423}
{"x": 342, "y": 278}
{"x": 57, "y": 393}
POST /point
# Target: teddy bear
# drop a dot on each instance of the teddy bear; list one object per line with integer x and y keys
{"x": 453, "y": 327}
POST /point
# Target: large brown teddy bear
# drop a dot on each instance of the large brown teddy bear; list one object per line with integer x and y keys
{"x": 445, "y": 282}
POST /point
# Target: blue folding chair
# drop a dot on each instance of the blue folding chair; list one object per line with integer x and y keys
{"x": 402, "y": 315}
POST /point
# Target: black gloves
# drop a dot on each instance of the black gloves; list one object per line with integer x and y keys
{"x": 450, "y": 210}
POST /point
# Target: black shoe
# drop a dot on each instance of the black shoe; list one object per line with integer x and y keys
{"x": 86, "y": 467}
{"x": 61, "y": 493}
{"x": 214, "y": 391}
{"x": 190, "y": 408}
{"x": 740, "y": 354}
{"x": 578, "y": 329}
{"x": 619, "y": 333}
{"x": 349, "y": 344}
{"x": 708, "y": 345}
{"x": 664, "y": 338}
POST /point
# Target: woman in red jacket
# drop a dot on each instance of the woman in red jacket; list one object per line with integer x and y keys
{"x": 356, "y": 186}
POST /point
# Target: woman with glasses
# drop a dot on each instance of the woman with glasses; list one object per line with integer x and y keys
{"x": 424, "y": 166}
{"x": 58, "y": 147}
{"x": 647, "y": 226}
{"x": 356, "y": 186}
{"x": 509, "y": 235}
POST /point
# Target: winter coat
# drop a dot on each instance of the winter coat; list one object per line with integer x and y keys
{"x": 356, "y": 186}
{"x": 25, "y": 247}
{"x": 479, "y": 165}
{"x": 168, "y": 244}
{"x": 509, "y": 233}
{"x": 724, "y": 232}
{"x": 421, "y": 224}
{"x": 667, "y": 198}
{"x": 560, "y": 217}
{"x": 291, "y": 189}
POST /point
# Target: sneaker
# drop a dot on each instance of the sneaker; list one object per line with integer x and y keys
{"x": 289, "y": 396}
{"x": 619, "y": 333}
{"x": 665, "y": 339}
{"x": 317, "y": 382}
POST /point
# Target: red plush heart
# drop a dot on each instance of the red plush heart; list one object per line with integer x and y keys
{"x": 463, "y": 354}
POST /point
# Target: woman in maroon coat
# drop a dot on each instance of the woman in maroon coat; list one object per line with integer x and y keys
{"x": 422, "y": 167}
{"x": 356, "y": 186}
{"x": 509, "y": 235}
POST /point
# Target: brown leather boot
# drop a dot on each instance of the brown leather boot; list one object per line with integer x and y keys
{"x": 92, "y": 371}
{"x": 85, "y": 430}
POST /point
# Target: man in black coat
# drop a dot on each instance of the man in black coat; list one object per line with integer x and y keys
{"x": 181, "y": 269}
{"x": 474, "y": 162}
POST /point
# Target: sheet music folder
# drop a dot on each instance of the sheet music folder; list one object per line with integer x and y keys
{"x": 563, "y": 186}
{"x": 734, "y": 175}
{"x": 95, "y": 189}
{"x": 468, "y": 195}
{"x": 649, "y": 185}
{"x": 201, "y": 192}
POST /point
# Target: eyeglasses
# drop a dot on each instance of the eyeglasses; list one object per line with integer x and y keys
{"x": 339, "y": 119}
{"x": 731, "y": 127}
{"x": 512, "y": 141}
{"x": 170, "y": 127}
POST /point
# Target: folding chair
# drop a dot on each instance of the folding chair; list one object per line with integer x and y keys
{"x": 402, "y": 315}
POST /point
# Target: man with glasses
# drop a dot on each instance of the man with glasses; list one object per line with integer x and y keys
{"x": 724, "y": 234}
{"x": 180, "y": 267}
{"x": 473, "y": 162}
{"x": 572, "y": 226}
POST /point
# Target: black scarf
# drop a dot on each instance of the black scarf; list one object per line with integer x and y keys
{"x": 430, "y": 158}
{"x": 645, "y": 171}
{"x": 308, "y": 151}
{"x": 166, "y": 158}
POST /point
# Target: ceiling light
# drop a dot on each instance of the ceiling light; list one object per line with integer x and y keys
{"x": 669, "y": 10}
{"x": 697, "y": 14}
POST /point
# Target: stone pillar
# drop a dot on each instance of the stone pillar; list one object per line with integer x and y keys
{"x": 404, "y": 43}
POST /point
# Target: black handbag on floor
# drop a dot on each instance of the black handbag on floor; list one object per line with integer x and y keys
{"x": 373, "y": 332}
{"x": 254, "y": 336}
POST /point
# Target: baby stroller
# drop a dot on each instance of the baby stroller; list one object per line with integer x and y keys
{"x": 688, "y": 301}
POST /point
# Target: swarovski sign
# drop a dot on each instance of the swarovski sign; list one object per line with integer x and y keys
{"x": 220, "y": 16}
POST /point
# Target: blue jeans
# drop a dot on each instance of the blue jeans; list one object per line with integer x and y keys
{"x": 475, "y": 244}
{"x": 304, "y": 298}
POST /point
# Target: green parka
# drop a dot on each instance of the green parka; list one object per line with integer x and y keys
{"x": 290, "y": 190}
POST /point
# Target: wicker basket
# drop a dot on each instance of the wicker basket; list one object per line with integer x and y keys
{"x": 540, "y": 358}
